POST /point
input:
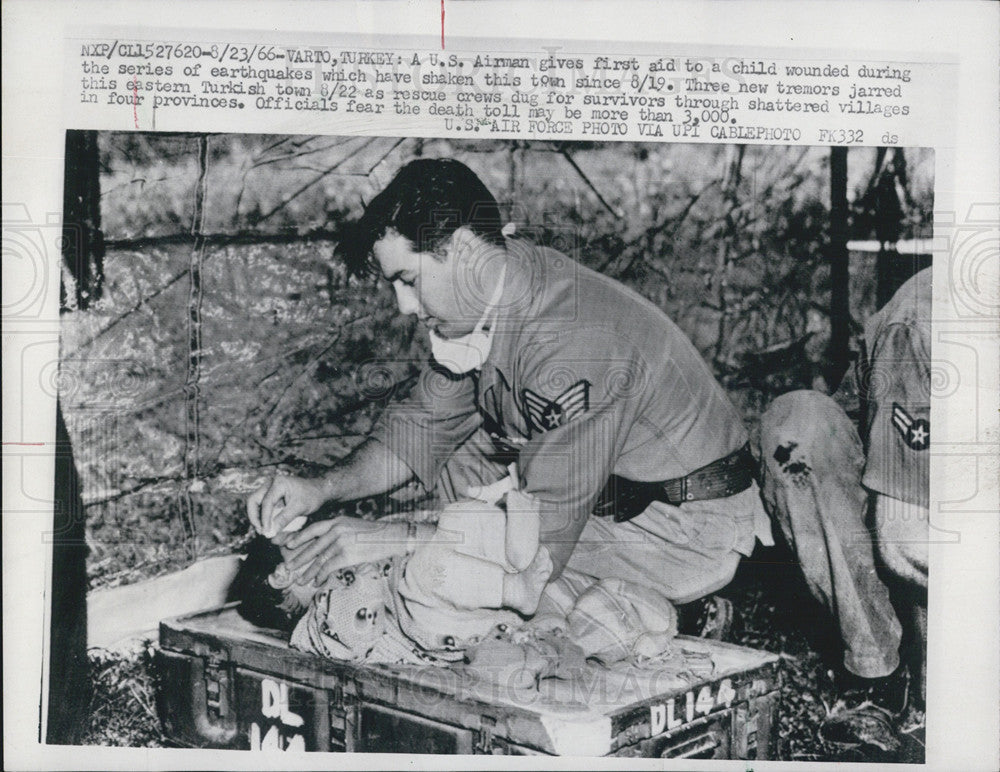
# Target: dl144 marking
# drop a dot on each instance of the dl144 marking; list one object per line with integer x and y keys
{"x": 675, "y": 712}
{"x": 274, "y": 705}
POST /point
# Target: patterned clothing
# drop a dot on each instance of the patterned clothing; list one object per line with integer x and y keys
{"x": 427, "y": 606}
{"x": 363, "y": 616}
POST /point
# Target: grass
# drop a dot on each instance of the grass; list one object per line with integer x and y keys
{"x": 123, "y": 705}
{"x": 777, "y": 614}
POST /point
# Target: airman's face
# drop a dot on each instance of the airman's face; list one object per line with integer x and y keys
{"x": 440, "y": 289}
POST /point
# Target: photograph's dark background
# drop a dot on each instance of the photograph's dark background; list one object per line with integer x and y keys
{"x": 210, "y": 334}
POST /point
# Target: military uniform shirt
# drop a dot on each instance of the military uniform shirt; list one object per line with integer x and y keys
{"x": 585, "y": 378}
{"x": 898, "y": 386}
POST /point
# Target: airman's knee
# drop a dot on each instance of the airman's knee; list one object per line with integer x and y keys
{"x": 803, "y": 430}
{"x": 802, "y": 412}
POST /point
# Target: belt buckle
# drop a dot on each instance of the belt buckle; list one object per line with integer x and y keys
{"x": 686, "y": 495}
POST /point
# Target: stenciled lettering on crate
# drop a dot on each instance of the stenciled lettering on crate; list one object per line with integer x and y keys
{"x": 666, "y": 716}
{"x": 274, "y": 704}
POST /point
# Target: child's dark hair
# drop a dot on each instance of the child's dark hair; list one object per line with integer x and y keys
{"x": 427, "y": 201}
{"x": 260, "y": 603}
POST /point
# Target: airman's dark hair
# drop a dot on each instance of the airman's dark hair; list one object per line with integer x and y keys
{"x": 427, "y": 201}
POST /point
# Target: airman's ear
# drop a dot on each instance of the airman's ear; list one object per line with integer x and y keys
{"x": 463, "y": 237}
{"x": 461, "y": 245}
{"x": 469, "y": 246}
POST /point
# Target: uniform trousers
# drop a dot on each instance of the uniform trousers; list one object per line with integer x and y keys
{"x": 812, "y": 462}
{"x": 811, "y": 466}
{"x": 684, "y": 552}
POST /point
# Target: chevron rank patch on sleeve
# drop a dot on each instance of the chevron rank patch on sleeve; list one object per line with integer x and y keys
{"x": 545, "y": 414}
{"x": 916, "y": 431}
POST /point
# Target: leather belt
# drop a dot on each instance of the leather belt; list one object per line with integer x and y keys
{"x": 624, "y": 499}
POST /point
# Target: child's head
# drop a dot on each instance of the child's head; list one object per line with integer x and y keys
{"x": 261, "y": 602}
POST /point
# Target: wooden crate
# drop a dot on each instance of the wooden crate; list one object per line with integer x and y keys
{"x": 224, "y": 683}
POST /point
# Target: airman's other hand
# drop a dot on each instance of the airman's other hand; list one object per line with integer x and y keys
{"x": 284, "y": 502}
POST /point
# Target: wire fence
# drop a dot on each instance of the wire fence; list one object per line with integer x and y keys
{"x": 227, "y": 340}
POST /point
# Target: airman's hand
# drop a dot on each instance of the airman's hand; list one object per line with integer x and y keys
{"x": 330, "y": 545}
{"x": 277, "y": 504}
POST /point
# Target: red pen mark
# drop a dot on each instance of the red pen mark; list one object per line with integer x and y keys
{"x": 32, "y": 444}
{"x": 442, "y": 25}
{"x": 135, "y": 98}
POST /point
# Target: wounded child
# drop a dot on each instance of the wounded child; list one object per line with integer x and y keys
{"x": 474, "y": 592}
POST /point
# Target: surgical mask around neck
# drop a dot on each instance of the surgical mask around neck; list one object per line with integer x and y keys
{"x": 469, "y": 352}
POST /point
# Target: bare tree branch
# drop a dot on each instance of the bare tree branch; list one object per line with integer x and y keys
{"x": 564, "y": 152}
{"x": 312, "y": 182}
{"x": 670, "y": 223}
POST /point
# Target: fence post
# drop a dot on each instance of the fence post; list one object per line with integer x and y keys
{"x": 840, "y": 299}
{"x": 728, "y": 244}
{"x": 83, "y": 241}
{"x": 192, "y": 417}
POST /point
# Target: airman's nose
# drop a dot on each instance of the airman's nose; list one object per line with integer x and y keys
{"x": 406, "y": 299}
